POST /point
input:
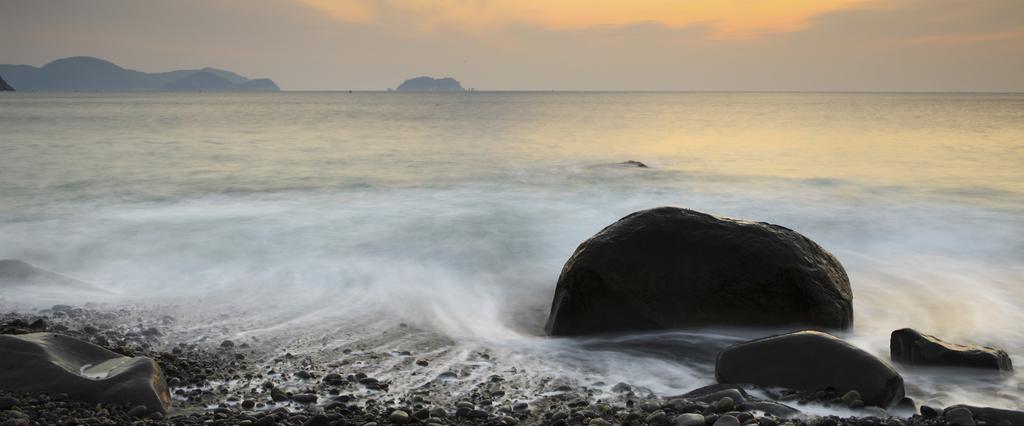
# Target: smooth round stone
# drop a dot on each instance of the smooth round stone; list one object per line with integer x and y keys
{"x": 727, "y": 420}
{"x": 690, "y": 419}
{"x": 399, "y": 417}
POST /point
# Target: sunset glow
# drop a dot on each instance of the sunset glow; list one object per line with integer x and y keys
{"x": 728, "y": 19}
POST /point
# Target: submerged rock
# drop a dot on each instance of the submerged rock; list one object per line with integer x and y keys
{"x": 991, "y": 416}
{"x": 910, "y": 346}
{"x": 670, "y": 267}
{"x": 56, "y": 364}
{"x": 809, "y": 361}
{"x": 15, "y": 273}
{"x": 726, "y": 397}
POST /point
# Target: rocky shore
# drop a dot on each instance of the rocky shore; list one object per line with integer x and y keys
{"x": 153, "y": 364}
{"x": 259, "y": 382}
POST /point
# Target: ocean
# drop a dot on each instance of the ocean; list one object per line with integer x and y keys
{"x": 328, "y": 218}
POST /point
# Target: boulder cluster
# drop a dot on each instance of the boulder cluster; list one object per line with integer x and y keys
{"x": 670, "y": 267}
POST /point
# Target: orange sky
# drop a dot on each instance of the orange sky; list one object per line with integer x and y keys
{"x": 730, "y": 18}
{"x": 733, "y": 45}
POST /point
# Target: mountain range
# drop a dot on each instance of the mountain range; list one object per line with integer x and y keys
{"x": 84, "y": 73}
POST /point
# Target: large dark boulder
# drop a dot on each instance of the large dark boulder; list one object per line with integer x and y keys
{"x": 910, "y": 346}
{"x": 670, "y": 267}
{"x": 56, "y": 364}
{"x": 810, "y": 361}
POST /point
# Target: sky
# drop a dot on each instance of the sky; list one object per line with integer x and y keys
{"x": 704, "y": 45}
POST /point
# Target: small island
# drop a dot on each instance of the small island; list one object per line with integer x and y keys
{"x": 428, "y": 84}
{"x": 4, "y": 87}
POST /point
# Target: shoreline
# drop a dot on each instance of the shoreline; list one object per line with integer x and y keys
{"x": 260, "y": 381}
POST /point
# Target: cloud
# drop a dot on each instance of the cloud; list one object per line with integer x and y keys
{"x": 730, "y": 19}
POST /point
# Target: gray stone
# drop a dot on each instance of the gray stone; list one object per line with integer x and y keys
{"x": 399, "y": 417}
{"x": 690, "y": 419}
{"x": 727, "y": 420}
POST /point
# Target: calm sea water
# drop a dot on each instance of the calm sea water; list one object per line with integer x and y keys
{"x": 455, "y": 212}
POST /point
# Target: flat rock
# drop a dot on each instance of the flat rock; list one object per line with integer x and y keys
{"x": 670, "y": 267}
{"x": 992, "y": 416}
{"x": 56, "y": 364}
{"x": 810, "y": 361}
{"x": 910, "y": 346}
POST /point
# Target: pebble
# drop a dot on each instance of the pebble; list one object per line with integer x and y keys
{"x": 304, "y": 398}
{"x": 689, "y": 419}
{"x": 267, "y": 420}
{"x": 928, "y": 412}
{"x": 599, "y": 422}
{"x": 658, "y": 418}
{"x": 7, "y": 402}
{"x": 399, "y": 417}
{"x": 725, "y": 404}
{"x": 727, "y": 420}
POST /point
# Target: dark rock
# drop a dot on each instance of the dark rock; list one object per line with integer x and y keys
{"x": 633, "y": 163}
{"x": 7, "y": 402}
{"x": 659, "y": 418}
{"x": 808, "y": 361}
{"x": 399, "y": 417}
{"x": 669, "y": 267}
{"x": 304, "y": 398}
{"x": 268, "y": 420}
{"x": 317, "y": 420}
{"x": 910, "y": 346}
{"x": 38, "y": 325}
{"x": 992, "y": 416}
{"x": 227, "y": 344}
{"x": 713, "y": 394}
{"x": 928, "y": 412}
{"x": 727, "y": 420}
{"x": 959, "y": 416}
{"x": 52, "y": 363}
{"x": 689, "y": 419}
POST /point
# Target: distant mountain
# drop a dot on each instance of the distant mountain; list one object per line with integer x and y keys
{"x": 83, "y": 73}
{"x": 206, "y": 81}
{"x": 427, "y": 84}
{"x": 4, "y": 87}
